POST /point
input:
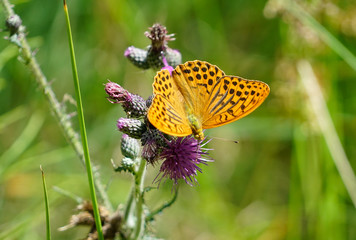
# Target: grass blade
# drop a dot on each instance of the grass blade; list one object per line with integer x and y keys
{"x": 48, "y": 225}
{"x": 82, "y": 127}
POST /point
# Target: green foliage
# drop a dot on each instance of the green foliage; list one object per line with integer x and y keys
{"x": 279, "y": 182}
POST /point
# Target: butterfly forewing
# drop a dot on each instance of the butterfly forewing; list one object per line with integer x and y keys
{"x": 196, "y": 80}
{"x": 167, "y": 109}
{"x": 233, "y": 98}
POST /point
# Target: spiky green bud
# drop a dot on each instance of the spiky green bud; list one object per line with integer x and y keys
{"x": 130, "y": 147}
{"x": 132, "y": 127}
{"x": 137, "y": 56}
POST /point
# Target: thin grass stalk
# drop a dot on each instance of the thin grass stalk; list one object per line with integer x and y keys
{"x": 82, "y": 128}
{"x": 48, "y": 225}
{"x": 304, "y": 17}
{"x": 327, "y": 127}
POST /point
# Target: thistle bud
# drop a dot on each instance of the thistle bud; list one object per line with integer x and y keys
{"x": 130, "y": 147}
{"x": 132, "y": 127}
{"x": 134, "y": 105}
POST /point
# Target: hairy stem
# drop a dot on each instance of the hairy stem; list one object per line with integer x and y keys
{"x": 129, "y": 203}
{"x": 139, "y": 191}
{"x": 150, "y": 217}
{"x": 59, "y": 113}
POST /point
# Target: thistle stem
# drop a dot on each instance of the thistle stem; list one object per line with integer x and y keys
{"x": 150, "y": 217}
{"x": 129, "y": 203}
{"x": 139, "y": 182}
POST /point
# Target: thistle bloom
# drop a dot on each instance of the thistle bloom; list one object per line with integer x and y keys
{"x": 181, "y": 159}
{"x": 152, "y": 56}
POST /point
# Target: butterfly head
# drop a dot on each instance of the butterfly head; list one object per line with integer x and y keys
{"x": 199, "y": 135}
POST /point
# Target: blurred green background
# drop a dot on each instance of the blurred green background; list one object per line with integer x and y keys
{"x": 279, "y": 182}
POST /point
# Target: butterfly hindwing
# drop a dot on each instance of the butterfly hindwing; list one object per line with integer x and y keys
{"x": 233, "y": 98}
{"x": 167, "y": 108}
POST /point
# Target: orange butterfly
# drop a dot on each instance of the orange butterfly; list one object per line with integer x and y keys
{"x": 198, "y": 95}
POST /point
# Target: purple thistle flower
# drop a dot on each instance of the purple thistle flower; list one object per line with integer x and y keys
{"x": 181, "y": 159}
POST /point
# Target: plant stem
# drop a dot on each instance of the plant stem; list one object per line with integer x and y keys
{"x": 59, "y": 113}
{"x": 82, "y": 129}
{"x": 150, "y": 217}
{"x": 129, "y": 203}
{"x": 139, "y": 182}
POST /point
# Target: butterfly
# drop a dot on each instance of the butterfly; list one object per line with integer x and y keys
{"x": 198, "y": 95}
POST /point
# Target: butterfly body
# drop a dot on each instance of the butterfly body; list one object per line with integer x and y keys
{"x": 198, "y": 95}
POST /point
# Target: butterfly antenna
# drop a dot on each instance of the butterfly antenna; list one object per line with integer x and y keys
{"x": 226, "y": 140}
